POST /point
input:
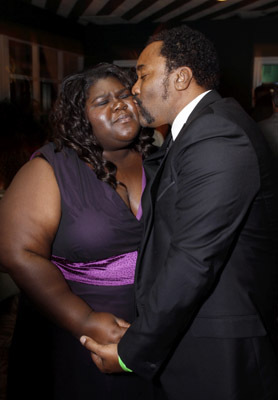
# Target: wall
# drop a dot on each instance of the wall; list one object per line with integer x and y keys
{"x": 26, "y": 22}
{"x": 236, "y": 40}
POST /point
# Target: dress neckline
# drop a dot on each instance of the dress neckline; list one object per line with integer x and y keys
{"x": 139, "y": 212}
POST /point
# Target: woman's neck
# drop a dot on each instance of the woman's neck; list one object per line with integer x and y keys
{"x": 119, "y": 157}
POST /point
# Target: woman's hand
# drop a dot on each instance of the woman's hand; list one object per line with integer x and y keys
{"x": 105, "y": 328}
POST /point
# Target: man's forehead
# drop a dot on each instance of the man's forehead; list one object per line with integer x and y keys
{"x": 149, "y": 55}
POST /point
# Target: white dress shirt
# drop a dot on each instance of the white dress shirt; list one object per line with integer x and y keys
{"x": 183, "y": 115}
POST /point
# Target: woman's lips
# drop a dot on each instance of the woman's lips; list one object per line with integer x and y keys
{"x": 123, "y": 118}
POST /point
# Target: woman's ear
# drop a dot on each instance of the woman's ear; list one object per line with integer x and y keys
{"x": 183, "y": 78}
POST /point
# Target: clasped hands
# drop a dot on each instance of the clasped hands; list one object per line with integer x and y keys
{"x": 107, "y": 330}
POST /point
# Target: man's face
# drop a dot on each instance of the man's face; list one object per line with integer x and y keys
{"x": 152, "y": 92}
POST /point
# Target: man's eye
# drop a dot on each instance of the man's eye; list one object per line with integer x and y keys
{"x": 143, "y": 76}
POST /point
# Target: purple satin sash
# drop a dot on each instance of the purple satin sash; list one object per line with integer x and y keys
{"x": 113, "y": 271}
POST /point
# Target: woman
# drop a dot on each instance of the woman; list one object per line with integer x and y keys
{"x": 70, "y": 223}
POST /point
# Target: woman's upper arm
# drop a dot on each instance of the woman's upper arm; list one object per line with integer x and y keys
{"x": 30, "y": 211}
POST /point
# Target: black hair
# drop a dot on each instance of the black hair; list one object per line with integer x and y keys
{"x": 72, "y": 128}
{"x": 183, "y": 46}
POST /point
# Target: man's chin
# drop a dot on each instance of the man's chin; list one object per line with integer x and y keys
{"x": 146, "y": 122}
{"x": 143, "y": 121}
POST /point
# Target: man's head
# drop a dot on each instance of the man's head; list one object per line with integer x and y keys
{"x": 176, "y": 66}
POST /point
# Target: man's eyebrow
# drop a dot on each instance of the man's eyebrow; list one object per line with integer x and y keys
{"x": 139, "y": 67}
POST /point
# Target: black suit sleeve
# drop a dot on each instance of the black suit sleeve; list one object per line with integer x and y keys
{"x": 216, "y": 178}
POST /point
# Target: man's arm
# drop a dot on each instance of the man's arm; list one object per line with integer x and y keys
{"x": 217, "y": 180}
{"x": 105, "y": 357}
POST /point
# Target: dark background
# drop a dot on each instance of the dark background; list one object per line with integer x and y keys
{"x": 237, "y": 40}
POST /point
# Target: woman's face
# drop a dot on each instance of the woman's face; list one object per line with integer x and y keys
{"x": 112, "y": 114}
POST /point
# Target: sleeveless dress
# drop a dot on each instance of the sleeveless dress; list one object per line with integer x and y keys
{"x": 95, "y": 248}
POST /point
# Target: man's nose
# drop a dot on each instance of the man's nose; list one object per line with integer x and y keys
{"x": 135, "y": 88}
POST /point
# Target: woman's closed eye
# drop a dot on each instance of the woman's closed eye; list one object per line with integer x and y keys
{"x": 125, "y": 95}
{"x": 101, "y": 102}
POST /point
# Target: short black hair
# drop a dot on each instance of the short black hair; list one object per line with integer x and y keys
{"x": 183, "y": 46}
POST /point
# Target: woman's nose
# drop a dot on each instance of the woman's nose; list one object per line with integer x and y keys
{"x": 120, "y": 104}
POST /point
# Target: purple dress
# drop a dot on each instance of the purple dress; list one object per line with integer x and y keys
{"x": 96, "y": 244}
{"x": 95, "y": 248}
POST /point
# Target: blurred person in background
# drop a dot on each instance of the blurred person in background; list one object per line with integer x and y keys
{"x": 269, "y": 126}
{"x": 262, "y": 103}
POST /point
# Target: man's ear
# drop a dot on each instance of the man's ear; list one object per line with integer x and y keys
{"x": 183, "y": 78}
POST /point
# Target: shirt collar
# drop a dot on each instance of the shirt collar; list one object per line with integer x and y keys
{"x": 183, "y": 115}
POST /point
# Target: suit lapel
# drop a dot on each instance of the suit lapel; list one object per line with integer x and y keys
{"x": 153, "y": 166}
{"x": 201, "y": 108}
{"x": 153, "y": 163}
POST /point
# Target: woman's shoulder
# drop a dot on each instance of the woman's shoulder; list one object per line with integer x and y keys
{"x": 52, "y": 155}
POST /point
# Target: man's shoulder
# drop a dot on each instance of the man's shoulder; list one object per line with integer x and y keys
{"x": 221, "y": 107}
{"x": 222, "y": 124}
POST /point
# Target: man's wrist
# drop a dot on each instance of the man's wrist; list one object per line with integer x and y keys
{"x": 123, "y": 366}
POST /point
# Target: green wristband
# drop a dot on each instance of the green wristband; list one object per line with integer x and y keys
{"x": 123, "y": 366}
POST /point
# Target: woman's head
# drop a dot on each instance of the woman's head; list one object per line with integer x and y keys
{"x": 112, "y": 114}
{"x": 70, "y": 116}
{"x": 95, "y": 112}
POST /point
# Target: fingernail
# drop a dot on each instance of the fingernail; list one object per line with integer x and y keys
{"x": 83, "y": 339}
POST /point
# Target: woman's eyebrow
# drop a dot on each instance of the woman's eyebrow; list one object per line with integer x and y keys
{"x": 101, "y": 96}
{"x": 105, "y": 95}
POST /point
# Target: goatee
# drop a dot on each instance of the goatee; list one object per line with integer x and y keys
{"x": 144, "y": 113}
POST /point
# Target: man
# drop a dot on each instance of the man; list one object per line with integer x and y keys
{"x": 206, "y": 281}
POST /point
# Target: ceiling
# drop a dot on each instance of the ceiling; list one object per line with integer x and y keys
{"x": 109, "y": 12}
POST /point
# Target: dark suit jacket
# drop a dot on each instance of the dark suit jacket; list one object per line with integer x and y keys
{"x": 208, "y": 260}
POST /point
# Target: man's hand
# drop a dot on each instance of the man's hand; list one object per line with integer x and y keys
{"x": 105, "y": 328}
{"x": 104, "y": 356}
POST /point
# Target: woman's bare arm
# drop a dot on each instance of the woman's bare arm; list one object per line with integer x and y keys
{"x": 30, "y": 213}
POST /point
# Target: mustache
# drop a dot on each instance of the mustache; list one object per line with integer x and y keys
{"x": 144, "y": 113}
{"x": 137, "y": 101}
